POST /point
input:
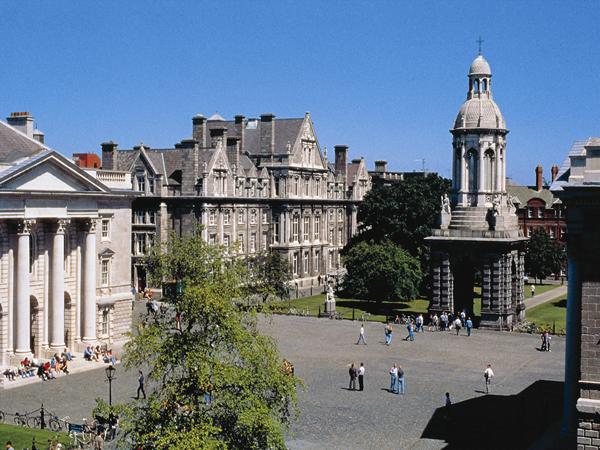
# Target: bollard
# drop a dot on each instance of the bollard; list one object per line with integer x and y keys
{"x": 42, "y": 421}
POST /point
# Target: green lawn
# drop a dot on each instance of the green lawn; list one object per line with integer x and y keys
{"x": 539, "y": 289}
{"x": 378, "y": 311}
{"x": 549, "y": 314}
{"x": 22, "y": 437}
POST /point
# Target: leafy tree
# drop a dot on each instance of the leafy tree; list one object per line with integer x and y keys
{"x": 403, "y": 212}
{"x": 544, "y": 255}
{"x": 216, "y": 382}
{"x": 381, "y": 271}
{"x": 270, "y": 276}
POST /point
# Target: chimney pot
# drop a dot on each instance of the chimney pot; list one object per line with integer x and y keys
{"x": 267, "y": 117}
{"x": 554, "y": 172}
{"x": 538, "y": 177}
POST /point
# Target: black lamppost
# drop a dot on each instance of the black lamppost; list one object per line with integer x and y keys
{"x": 110, "y": 375}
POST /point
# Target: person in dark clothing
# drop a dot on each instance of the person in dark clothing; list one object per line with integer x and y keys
{"x": 352, "y": 373}
{"x": 141, "y": 382}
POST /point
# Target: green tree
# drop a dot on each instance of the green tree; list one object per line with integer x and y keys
{"x": 270, "y": 276}
{"x": 381, "y": 271}
{"x": 544, "y": 255}
{"x": 215, "y": 381}
{"x": 403, "y": 212}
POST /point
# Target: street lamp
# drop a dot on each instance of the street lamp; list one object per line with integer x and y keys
{"x": 110, "y": 375}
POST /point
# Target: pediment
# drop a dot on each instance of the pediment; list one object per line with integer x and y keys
{"x": 52, "y": 173}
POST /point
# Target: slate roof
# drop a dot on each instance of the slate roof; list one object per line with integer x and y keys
{"x": 526, "y": 193}
{"x": 15, "y": 145}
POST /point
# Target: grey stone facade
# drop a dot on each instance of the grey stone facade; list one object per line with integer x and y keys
{"x": 254, "y": 185}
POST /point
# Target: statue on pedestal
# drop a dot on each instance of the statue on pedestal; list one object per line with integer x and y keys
{"x": 445, "y": 212}
{"x": 330, "y": 300}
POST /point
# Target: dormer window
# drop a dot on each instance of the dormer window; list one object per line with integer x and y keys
{"x": 140, "y": 182}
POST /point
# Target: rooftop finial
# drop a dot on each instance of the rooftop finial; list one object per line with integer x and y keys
{"x": 480, "y": 41}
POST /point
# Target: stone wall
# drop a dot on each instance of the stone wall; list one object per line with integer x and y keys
{"x": 588, "y": 432}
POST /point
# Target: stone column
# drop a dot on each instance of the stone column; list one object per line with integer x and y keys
{"x": 57, "y": 294}
{"x": 486, "y": 284}
{"x": 89, "y": 283}
{"x": 23, "y": 319}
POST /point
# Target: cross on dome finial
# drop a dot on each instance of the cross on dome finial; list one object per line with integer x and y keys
{"x": 480, "y": 41}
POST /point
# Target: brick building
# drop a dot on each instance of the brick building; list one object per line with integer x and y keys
{"x": 262, "y": 183}
{"x": 538, "y": 207}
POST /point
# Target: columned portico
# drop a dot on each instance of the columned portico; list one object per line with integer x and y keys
{"x": 89, "y": 282}
{"x": 57, "y": 302}
{"x": 23, "y": 326}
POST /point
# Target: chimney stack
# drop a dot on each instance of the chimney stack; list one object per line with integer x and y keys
{"x": 22, "y": 121}
{"x": 110, "y": 155}
{"x": 218, "y": 134}
{"x": 240, "y": 127}
{"x": 39, "y": 136}
{"x": 267, "y": 133}
{"x": 538, "y": 178}
{"x": 554, "y": 172}
{"x": 381, "y": 166}
{"x": 341, "y": 158}
{"x": 199, "y": 129}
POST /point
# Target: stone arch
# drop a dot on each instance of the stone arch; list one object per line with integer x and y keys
{"x": 472, "y": 170}
{"x": 490, "y": 169}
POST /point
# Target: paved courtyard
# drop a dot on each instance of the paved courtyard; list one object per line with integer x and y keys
{"x": 333, "y": 417}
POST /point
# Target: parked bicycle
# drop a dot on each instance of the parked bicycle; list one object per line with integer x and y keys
{"x": 57, "y": 424}
{"x": 26, "y": 420}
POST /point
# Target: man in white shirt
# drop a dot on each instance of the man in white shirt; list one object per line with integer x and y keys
{"x": 393, "y": 378}
{"x": 361, "y": 337}
{"x": 488, "y": 374}
{"x": 361, "y": 376}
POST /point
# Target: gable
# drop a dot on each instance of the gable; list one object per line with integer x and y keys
{"x": 52, "y": 175}
{"x": 307, "y": 138}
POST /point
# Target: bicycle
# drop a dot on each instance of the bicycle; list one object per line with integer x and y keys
{"x": 79, "y": 437}
{"x": 56, "y": 423}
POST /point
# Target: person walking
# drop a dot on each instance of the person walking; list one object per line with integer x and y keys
{"x": 393, "y": 378}
{"x": 448, "y": 401}
{"x": 361, "y": 336}
{"x": 419, "y": 322}
{"x": 388, "y": 334}
{"x": 457, "y": 325}
{"x": 532, "y": 290}
{"x": 141, "y": 382}
{"x": 469, "y": 325}
{"x": 463, "y": 316}
{"x": 411, "y": 335}
{"x": 488, "y": 374}
{"x": 352, "y": 373}
{"x": 361, "y": 377}
{"x": 400, "y": 389}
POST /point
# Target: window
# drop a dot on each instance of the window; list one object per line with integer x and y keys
{"x": 212, "y": 238}
{"x": 295, "y": 226}
{"x": 540, "y": 213}
{"x": 317, "y": 227}
{"x": 152, "y": 217}
{"x": 253, "y": 243}
{"x": 105, "y": 229}
{"x": 306, "y": 268}
{"x": 306, "y": 228}
{"x": 331, "y": 215}
{"x": 226, "y": 242}
{"x": 141, "y": 182}
{"x": 105, "y": 272}
{"x": 140, "y": 243}
{"x": 275, "y": 229}
{"x": 104, "y": 329}
{"x": 331, "y": 235}
{"x": 276, "y": 181}
{"x": 295, "y": 263}
{"x": 317, "y": 263}
{"x": 306, "y": 187}
{"x": 340, "y": 236}
{"x": 241, "y": 241}
{"x": 340, "y": 215}
{"x": 211, "y": 217}
{"x": 241, "y": 216}
{"x": 200, "y": 186}
{"x": 552, "y": 233}
{"x": 318, "y": 187}
{"x": 151, "y": 185}
{"x": 529, "y": 231}
{"x": 296, "y": 181}
{"x": 529, "y": 213}
{"x": 265, "y": 216}
{"x": 265, "y": 236}
{"x": 140, "y": 216}
{"x": 226, "y": 217}
{"x": 330, "y": 259}
{"x": 253, "y": 217}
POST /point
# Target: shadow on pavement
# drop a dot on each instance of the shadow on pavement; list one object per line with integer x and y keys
{"x": 496, "y": 421}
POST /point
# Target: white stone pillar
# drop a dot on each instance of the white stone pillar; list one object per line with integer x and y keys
{"x": 23, "y": 319}
{"x": 57, "y": 295}
{"x": 89, "y": 283}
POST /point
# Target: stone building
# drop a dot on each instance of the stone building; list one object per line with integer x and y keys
{"x": 578, "y": 186}
{"x": 537, "y": 207}
{"x": 382, "y": 176}
{"x": 254, "y": 184}
{"x": 64, "y": 277}
{"x": 478, "y": 229}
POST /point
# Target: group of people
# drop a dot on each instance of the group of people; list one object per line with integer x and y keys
{"x": 356, "y": 373}
{"x": 46, "y": 370}
{"x": 449, "y": 321}
{"x": 99, "y": 354}
{"x": 545, "y": 341}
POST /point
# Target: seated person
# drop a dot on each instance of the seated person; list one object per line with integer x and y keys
{"x": 26, "y": 363}
{"x": 112, "y": 357}
{"x": 65, "y": 365}
{"x": 66, "y": 353}
{"x": 88, "y": 353}
{"x": 97, "y": 353}
{"x": 10, "y": 374}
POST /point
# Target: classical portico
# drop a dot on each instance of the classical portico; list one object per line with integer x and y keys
{"x": 478, "y": 229}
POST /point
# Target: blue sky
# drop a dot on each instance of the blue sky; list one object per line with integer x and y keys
{"x": 384, "y": 77}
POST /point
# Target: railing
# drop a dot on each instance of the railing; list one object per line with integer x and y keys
{"x": 111, "y": 176}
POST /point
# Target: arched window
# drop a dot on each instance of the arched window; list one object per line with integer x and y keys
{"x": 490, "y": 170}
{"x": 484, "y": 85}
{"x": 456, "y": 176}
{"x": 476, "y": 85}
{"x": 472, "y": 169}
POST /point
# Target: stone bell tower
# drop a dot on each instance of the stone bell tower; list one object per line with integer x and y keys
{"x": 479, "y": 232}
